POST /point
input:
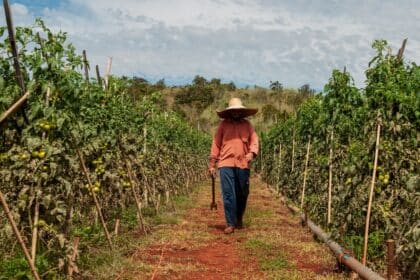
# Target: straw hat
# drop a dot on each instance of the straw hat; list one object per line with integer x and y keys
{"x": 235, "y": 104}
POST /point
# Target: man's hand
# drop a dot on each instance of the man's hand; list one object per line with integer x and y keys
{"x": 249, "y": 157}
{"x": 212, "y": 171}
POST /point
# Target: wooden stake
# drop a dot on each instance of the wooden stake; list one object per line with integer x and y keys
{"x": 35, "y": 231}
{"x": 279, "y": 169}
{"x": 144, "y": 139}
{"x": 98, "y": 76}
{"x": 401, "y": 50}
{"x": 86, "y": 66}
{"x": 108, "y": 71}
{"x": 18, "y": 236}
{"x": 98, "y": 207}
{"x": 330, "y": 178}
{"x": 72, "y": 267}
{"x": 36, "y": 215}
{"x": 293, "y": 151}
{"x": 390, "y": 245}
{"x": 305, "y": 174}
{"x": 13, "y": 45}
{"x": 21, "y": 101}
{"x": 117, "y": 227}
{"x": 372, "y": 186}
{"x": 136, "y": 198}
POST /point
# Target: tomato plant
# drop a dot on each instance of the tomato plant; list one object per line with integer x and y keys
{"x": 391, "y": 97}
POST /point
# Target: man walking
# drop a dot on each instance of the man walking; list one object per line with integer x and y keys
{"x": 234, "y": 146}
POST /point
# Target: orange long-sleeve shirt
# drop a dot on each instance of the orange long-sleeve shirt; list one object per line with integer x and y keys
{"x": 232, "y": 141}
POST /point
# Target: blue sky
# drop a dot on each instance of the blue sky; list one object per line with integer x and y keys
{"x": 246, "y": 41}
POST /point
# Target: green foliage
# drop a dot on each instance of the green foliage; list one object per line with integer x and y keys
{"x": 17, "y": 268}
{"x": 391, "y": 98}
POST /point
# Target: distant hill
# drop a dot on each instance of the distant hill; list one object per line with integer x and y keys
{"x": 197, "y": 102}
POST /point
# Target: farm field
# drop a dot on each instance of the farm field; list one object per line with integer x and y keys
{"x": 105, "y": 176}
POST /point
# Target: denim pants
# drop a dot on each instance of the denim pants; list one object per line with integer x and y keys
{"x": 235, "y": 189}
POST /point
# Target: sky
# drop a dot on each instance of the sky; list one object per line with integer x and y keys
{"x": 249, "y": 42}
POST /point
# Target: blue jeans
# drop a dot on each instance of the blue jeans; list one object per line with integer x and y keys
{"x": 235, "y": 189}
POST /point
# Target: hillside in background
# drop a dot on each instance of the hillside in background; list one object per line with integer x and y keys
{"x": 198, "y": 102}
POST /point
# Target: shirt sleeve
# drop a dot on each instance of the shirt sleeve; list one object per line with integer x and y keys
{"x": 253, "y": 143}
{"x": 216, "y": 146}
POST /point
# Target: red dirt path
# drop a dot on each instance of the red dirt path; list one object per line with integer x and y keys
{"x": 197, "y": 248}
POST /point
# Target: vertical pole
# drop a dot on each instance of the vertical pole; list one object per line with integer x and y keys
{"x": 144, "y": 139}
{"x": 117, "y": 226}
{"x": 305, "y": 173}
{"x": 72, "y": 265}
{"x": 98, "y": 76}
{"x": 36, "y": 215}
{"x": 330, "y": 178}
{"x": 95, "y": 199}
{"x": 108, "y": 71}
{"x": 390, "y": 245}
{"x": 293, "y": 150}
{"x": 86, "y": 66}
{"x": 401, "y": 50}
{"x": 279, "y": 170}
{"x": 372, "y": 185}
{"x": 13, "y": 45}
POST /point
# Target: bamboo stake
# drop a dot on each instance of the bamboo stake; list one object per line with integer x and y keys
{"x": 86, "y": 66}
{"x": 330, "y": 178}
{"x": 372, "y": 185}
{"x": 98, "y": 207}
{"x": 18, "y": 236}
{"x": 305, "y": 173}
{"x": 21, "y": 101}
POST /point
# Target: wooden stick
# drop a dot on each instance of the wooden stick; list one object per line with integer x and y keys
{"x": 293, "y": 150}
{"x": 98, "y": 207}
{"x": 13, "y": 45}
{"x": 72, "y": 267}
{"x": 401, "y": 50}
{"x": 136, "y": 198}
{"x": 108, "y": 71}
{"x": 372, "y": 185}
{"x": 305, "y": 173}
{"x": 117, "y": 227}
{"x": 35, "y": 231}
{"x": 390, "y": 246}
{"x": 86, "y": 66}
{"x": 144, "y": 139}
{"x": 98, "y": 76}
{"x": 279, "y": 170}
{"x": 21, "y": 101}
{"x": 36, "y": 215}
{"x": 330, "y": 178}
{"x": 18, "y": 236}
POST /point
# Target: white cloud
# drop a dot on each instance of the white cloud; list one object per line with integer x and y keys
{"x": 19, "y": 9}
{"x": 248, "y": 41}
